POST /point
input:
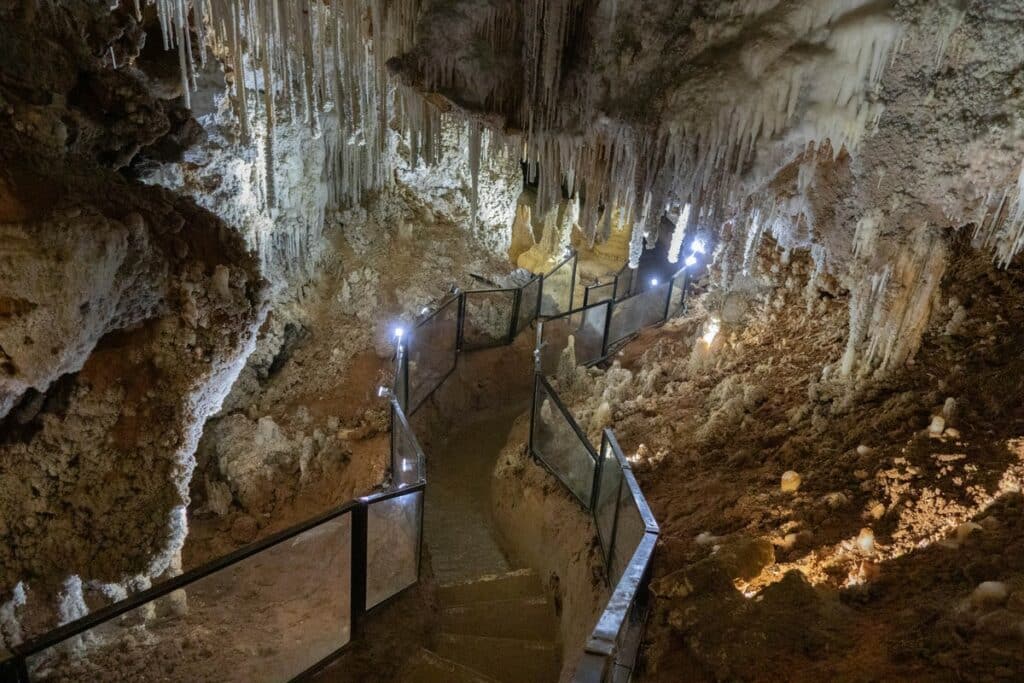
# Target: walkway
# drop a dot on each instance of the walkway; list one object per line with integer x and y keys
{"x": 497, "y": 624}
{"x": 457, "y": 526}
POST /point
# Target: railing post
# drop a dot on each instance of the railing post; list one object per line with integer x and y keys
{"x": 572, "y": 280}
{"x": 533, "y": 412}
{"x": 358, "y": 567}
{"x": 538, "y": 345}
{"x": 668, "y": 300}
{"x": 391, "y": 439}
{"x": 607, "y": 326}
{"x": 517, "y": 301}
{"x": 402, "y": 374}
{"x": 13, "y": 668}
{"x": 595, "y": 490}
{"x": 460, "y": 322}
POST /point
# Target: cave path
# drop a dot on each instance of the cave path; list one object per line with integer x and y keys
{"x": 458, "y": 526}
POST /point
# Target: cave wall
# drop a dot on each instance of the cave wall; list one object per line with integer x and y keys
{"x": 128, "y": 310}
{"x": 869, "y": 132}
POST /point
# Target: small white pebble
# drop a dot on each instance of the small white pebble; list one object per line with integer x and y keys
{"x": 790, "y": 482}
{"x": 989, "y": 593}
{"x": 937, "y": 426}
{"x": 706, "y": 538}
{"x": 866, "y": 541}
{"x": 835, "y": 500}
{"x": 863, "y": 450}
{"x": 949, "y": 408}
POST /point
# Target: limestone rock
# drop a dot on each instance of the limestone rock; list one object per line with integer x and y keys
{"x": 989, "y": 593}
{"x": 790, "y": 482}
{"x": 744, "y": 558}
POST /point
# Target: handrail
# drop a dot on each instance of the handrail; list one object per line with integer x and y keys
{"x": 164, "y": 588}
{"x": 600, "y": 656}
{"x": 14, "y": 663}
{"x": 611, "y": 636}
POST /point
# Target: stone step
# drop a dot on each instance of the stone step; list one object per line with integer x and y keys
{"x": 523, "y": 583}
{"x": 430, "y": 667}
{"x": 527, "y": 618}
{"x": 508, "y": 660}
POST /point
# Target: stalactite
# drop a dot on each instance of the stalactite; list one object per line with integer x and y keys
{"x": 679, "y": 234}
{"x": 268, "y": 140}
{"x": 1002, "y": 228}
{"x": 307, "y": 58}
{"x": 475, "y": 131}
{"x": 184, "y": 51}
{"x": 241, "y": 96}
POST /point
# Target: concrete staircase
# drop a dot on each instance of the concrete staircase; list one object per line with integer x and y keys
{"x": 494, "y": 629}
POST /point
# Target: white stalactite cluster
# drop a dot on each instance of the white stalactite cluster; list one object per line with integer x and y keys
{"x": 890, "y": 310}
{"x": 306, "y": 60}
{"x": 309, "y": 59}
{"x": 1001, "y": 226}
{"x": 692, "y": 155}
{"x": 302, "y": 60}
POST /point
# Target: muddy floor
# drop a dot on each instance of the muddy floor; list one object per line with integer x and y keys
{"x": 816, "y": 527}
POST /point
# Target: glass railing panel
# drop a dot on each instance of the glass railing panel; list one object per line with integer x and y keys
{"x": 595, "y": 294}
{"x": 629, "y": 531}
{"x": 528, "y": 302}
{"x": 608, "y": 495}
{"x": 401, "y": 384}
{"x": 557, "y": 290}
{"x": 487, "y": 318}
{"x": 268, "y": 617}
{"x": 637, "y": 312}
{"x": 431, "y": 351}
{"x": 393, "y": 529}
{"x": 624, "y": 283}
{"x": 586, "y": 327}
{"x": 559, "y": 443}
{"x": 407, "y": 460}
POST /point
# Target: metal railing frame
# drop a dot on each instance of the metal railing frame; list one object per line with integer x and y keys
{"x": 541, "y": 383}
{"x": 599, "y": 660}
{"x": 510, "y": 332}
{"x": 457, "y": 300}
{"x": 597, "y": 663}
{"x": 572, "y": 283}
{"x": 610, "y": 345}
{"x": 618, "y": 278}
{"x": 15, "y": 668}
{"x": 604, "y": 338}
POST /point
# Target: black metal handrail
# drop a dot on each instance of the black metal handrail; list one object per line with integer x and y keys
{"x": 602, "y": 648}
{"x": 14, "y": 666}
